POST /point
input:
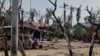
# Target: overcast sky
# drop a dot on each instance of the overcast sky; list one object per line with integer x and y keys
{"x": 41, "y": 5}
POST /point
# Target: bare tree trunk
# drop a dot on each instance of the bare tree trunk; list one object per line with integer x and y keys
{"x": 62, "y": 28}
{"x": 6, "y": 47}
{"x": 21, "y": 49}
{"x": 92, "y": 45}
{"x": 91, "y": 17}
{"x": 4, "y": 40}
{"x": 69, "y": 45}
{"x": 5, "y": 44}
{"x": 20, "y": 44}
{"x": 3, "y": 35}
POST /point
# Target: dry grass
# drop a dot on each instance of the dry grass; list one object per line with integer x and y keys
{"x": 60, "y": 49}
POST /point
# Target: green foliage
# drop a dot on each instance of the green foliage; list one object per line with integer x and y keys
{"x": 59, "y": 32}
{"x": 49, "y": 38}
{"x": 79, "y": 31}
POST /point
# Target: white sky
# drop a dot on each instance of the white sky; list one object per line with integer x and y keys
{"x": 41, "y": 5}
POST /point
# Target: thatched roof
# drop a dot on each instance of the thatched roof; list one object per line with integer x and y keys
{"x": 6, "y": 27}
{"x": 87, "y": 25}
{"x": 25, "y": 35}
{"x": 36, "y": 24}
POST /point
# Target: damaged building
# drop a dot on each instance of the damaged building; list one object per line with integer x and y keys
{"x": 29, "y": 32}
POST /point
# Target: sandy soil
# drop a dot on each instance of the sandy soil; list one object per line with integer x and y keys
{"x": 60, "y": 49}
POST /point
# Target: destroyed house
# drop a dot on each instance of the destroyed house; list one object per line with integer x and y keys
{"x": 28, "y": 31}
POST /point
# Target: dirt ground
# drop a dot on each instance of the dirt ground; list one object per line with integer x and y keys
{"x": 59, "y": 48}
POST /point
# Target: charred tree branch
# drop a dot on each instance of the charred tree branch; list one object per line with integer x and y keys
{"x": 95, "y": 31}
{"x": 63, "y": 29}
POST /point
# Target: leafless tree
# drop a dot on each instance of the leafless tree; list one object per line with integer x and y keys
{"x": 86, "y": 18}
{"x": 19, "y": 9}
{"x": 2, "y": 21}
{"x": 33, "y": 13}
{"x": 72, "y": 8}
{"x": 47, "y": 15}
{"x": 4, "y": 38}
{"x": 2, "y": 5}
{"x": 41, "y": 19}
{"x": 78, "y": 14}
{"x": 62, "y": 28}
{"x": 64, "y": 12}
{"x": 92, "y": 18}
{"x": 1, "y": 12}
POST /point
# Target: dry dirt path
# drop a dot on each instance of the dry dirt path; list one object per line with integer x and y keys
{"x": 60, "y": 49}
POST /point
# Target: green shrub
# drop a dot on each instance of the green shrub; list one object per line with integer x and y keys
{"x": 49, "y": 38}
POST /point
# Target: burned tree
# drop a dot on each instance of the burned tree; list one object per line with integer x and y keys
{"x": 1, "y": 12}
{"x": 70, "y": 17}
{"x": 2, "y": 21}
{"x": 92, "y": 19}
{"x": 60, "y": 25}
{"x": 64, "y": 12}
{"x": 78, "y": 14}
{"x": 71, "y": 14}
{"x": 33, "y": 13}
{"x": 47, "y": 15}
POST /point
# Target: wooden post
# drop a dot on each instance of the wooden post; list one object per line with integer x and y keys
{"x": 14, "y": 28}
